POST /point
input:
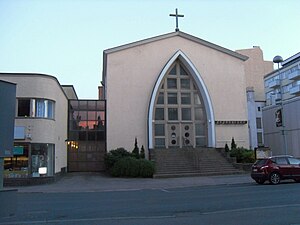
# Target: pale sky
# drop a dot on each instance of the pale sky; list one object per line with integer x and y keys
{"x": 66, "y": 38}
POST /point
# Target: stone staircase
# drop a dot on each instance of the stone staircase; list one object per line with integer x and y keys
{"x": 191, "y": 162}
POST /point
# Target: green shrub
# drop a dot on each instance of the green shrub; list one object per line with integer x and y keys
{"x": 243, "y": 155}
{"x": 226, "y": 148}
{"x": 132, "y": 167}
{"x": 113, "y": 156}
{"x": 233, "y": 144}
{"x": 126, "y": 167}
{"x": 147, "y": 168}
{"x": 142, "y": 153}
{"x": 136, "y": 152}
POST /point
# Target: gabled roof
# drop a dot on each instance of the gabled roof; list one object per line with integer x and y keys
{"x": 165, "y": 36}
{"x": 180, "y": 34}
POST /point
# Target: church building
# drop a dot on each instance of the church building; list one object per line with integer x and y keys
{"x": 177, "y": 90}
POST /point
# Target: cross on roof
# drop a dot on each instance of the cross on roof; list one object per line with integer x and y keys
{"x": 176, "y": 15}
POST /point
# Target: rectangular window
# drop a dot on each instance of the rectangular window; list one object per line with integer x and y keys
{"x": 172, "y": 98}
{"x": 41, "y": 108}
{"x": 24, "y": 107}
{"x": 186, "y": 98}
{"x": 200, "y": 130}
{"x": 172, "y": 83}
{"x": 159, "y": 114}
{"x": 160, "y": 99}
{"x": 42, "y": 160}
{"x": 160, "y": 142}
{"x": 50, "y": 109}
{"x": 185, "y": 83}
{"x": 17, "y": 166}
{"x": 159, "y": 130}
{"x": 198, "y": 114}
{"x": 173, "y": 114}
{"x": 201, "y": 141}
{"x": 259, "y": 139}
{"x": 258, "y": 123}
{"x": 186, "y": 114}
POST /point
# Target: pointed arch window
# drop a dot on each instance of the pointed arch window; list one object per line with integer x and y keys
{"x": 179, "y": 111}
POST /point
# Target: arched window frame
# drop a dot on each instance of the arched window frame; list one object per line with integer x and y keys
{"x": 201, "y": 87}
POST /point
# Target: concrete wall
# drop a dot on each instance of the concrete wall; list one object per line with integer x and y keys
{"x": 131, "y": 76}
{"x": 44, "y": 130}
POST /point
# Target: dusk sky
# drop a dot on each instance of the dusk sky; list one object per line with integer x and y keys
{"x": 66, "y": 38}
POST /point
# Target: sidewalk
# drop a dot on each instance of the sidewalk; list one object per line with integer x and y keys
{"x": 98, "y": 182}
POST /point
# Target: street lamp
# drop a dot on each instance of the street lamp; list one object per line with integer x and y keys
{"x": 278, "y": 59}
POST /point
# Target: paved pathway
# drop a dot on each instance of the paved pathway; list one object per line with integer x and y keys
{"x": 96, "y": 182}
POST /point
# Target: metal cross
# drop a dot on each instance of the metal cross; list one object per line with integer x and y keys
{"x": 176, "y": 15}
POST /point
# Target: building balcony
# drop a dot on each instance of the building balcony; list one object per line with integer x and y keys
{"x": 274, "y": 83}
{"x": 277, "y": 96}
{"x": 295, "y": 75}
{"x": 295, "y": 90}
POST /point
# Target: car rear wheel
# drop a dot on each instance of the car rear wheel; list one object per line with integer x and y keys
{"x": 274, "y": 178}
{"x": 260, "y": 181}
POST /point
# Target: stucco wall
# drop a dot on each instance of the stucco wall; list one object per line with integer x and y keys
{"x": 131, "y": 76}
{"x": 255, "y": 70}
{"x": 44, "y": 130}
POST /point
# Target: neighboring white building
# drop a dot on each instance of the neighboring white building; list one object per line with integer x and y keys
{"x": 255, "y": 68}
{"x": 40, "y": 148}
{"x": 282, "y": 112}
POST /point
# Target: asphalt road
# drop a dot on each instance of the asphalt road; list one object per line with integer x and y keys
{"x": 239, "y": 204}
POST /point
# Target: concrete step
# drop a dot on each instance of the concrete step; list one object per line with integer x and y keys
{"x": 191, "y": 162}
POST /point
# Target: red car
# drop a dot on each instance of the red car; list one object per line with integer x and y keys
{"x": 275, "y": 169}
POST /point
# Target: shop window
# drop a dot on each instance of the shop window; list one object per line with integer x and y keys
{"x": 17, "y": 166}
{"x": 42, "y": 160}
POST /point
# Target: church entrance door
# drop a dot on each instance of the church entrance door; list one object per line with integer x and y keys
{"x": 180, "y": 135}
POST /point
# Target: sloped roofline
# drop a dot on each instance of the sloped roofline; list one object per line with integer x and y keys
{"x": 180, "y": 34}
{"x": 165, "y": 36}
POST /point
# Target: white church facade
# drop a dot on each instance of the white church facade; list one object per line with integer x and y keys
{"x": 176, "y": 91}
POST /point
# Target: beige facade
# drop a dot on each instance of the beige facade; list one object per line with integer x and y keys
{"x": 133, "y": 73}
{"x": 42, "y": 128}
{"x": 255, "y": 69}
